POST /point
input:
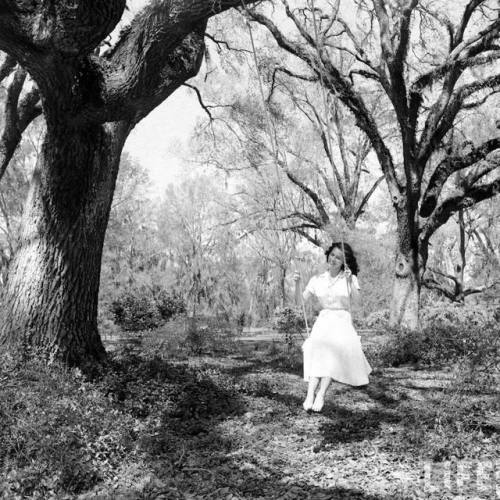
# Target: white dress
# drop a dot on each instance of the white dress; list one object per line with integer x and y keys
{"x": 333, "y": 349}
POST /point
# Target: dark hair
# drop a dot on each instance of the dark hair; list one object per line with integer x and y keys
{"x": 350, "y": 260}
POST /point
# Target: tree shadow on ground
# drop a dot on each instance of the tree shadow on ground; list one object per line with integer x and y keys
{"x": 231, "y": 482}
{"x": 379, "y": 389}
{"x": 345, "y": 425}
{"x": 188, "y": 449}
{"x": 257, "y": 361}
{"x": 144, "y": 386}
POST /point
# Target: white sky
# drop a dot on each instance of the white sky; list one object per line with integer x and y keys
{"x": 158, "y": 140}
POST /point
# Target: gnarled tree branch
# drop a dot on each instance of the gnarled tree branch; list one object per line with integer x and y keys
{"x": 342, "y": 88}
{"x": 318, "y": 203}
{"x": 447, "y": 167}
{"x": 18, "y": 115}
{"x": 452, "y": 204}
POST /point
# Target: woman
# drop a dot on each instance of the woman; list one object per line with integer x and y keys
{"x": 333, "y": 349}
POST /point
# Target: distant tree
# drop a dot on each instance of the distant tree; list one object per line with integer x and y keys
{"x": 200, "y": 247}
{"x": 13, "y": 192}
{"x": 131, "y": 245}
{"x": 463, "y": 247}
{"x": 320, "y": 162}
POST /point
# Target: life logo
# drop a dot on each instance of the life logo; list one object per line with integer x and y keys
{"x": 478, "y": 479}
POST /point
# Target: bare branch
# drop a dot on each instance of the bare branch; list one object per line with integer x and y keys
{"x": 480, "y": 289}
{"x": 318, "y": 203}
{"x": 226, "y": 44}
{"x": 298, "y": 76}
{"x": 365, "y": 74}
{"x": 404, "y": 37}
{"x": 451, "y": 205}
{"x": 481, "y": 101}
{"x": 427, "y": 79}
{"x": 344, "y": 90}
{"x": 160, "y": 49}
{"x": 304, "y": 33}
{"x": 323, "y": 131}
{"x": 366, "y": 197}
{"x": 307, "y": 78}
{"x": 483, "y": 169}
{"x": 445, "y": 111}
{"x": 18, "y": 115}
{"x": 469, "y": 10}
{"x": 8, "y": 65}
{"x": 200, "y": 99}
{"x": 444, "y": 275}
{"x": 448, "y": 166}
{"x": 300, "y": 230}
{"x": 444, "y": 20}
{"x": 360, "y": 52}
{"x": 432, "y": 284}
{"x": 385, "y": 35}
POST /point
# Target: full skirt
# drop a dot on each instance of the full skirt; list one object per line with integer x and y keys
{"x": 334, "y": 350}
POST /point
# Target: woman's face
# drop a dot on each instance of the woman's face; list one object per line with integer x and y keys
{"x": 335, "y": 260}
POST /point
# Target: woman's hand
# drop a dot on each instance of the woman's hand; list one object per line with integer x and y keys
{"x": 348, "y": 273}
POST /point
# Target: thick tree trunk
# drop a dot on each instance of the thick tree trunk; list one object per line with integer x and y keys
{"x": 49, "y": 304}
{"x": 405, "y": 302}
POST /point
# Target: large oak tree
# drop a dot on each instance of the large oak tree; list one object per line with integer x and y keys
{"x": 90, "y": 100}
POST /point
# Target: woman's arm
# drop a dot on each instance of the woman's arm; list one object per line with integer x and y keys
{"x": 302, "y": 295}
{"x": 354, "y": 291}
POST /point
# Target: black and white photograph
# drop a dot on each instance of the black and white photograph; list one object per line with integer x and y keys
{"x": 249, "y": 249}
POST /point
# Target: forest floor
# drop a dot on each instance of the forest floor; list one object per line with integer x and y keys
{"x": 166, "y": 424}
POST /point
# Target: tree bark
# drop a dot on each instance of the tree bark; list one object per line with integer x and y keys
{"x": 404, "y": 310}
{"x": 50, "y": 299}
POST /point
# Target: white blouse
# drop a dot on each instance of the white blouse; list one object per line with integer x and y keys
{"x": 332, "y": 292}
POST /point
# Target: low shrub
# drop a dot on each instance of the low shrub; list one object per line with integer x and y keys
{"x": 210, "y": 335}
{"x": 141, "y": 309}
{"x": 289, "y": 322}
{"x": 442, "y": 344}
{"x": 453, "y": 314}
{"x": 169, "y": 303}
{"x": 136, "y": 310}
{"x": 446, "y": 314}
{"x": 377, "y": 320}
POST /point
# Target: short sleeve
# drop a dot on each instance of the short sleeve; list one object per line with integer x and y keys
{"x": 309, "y": 290}
{"x": 355, "y": 282}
